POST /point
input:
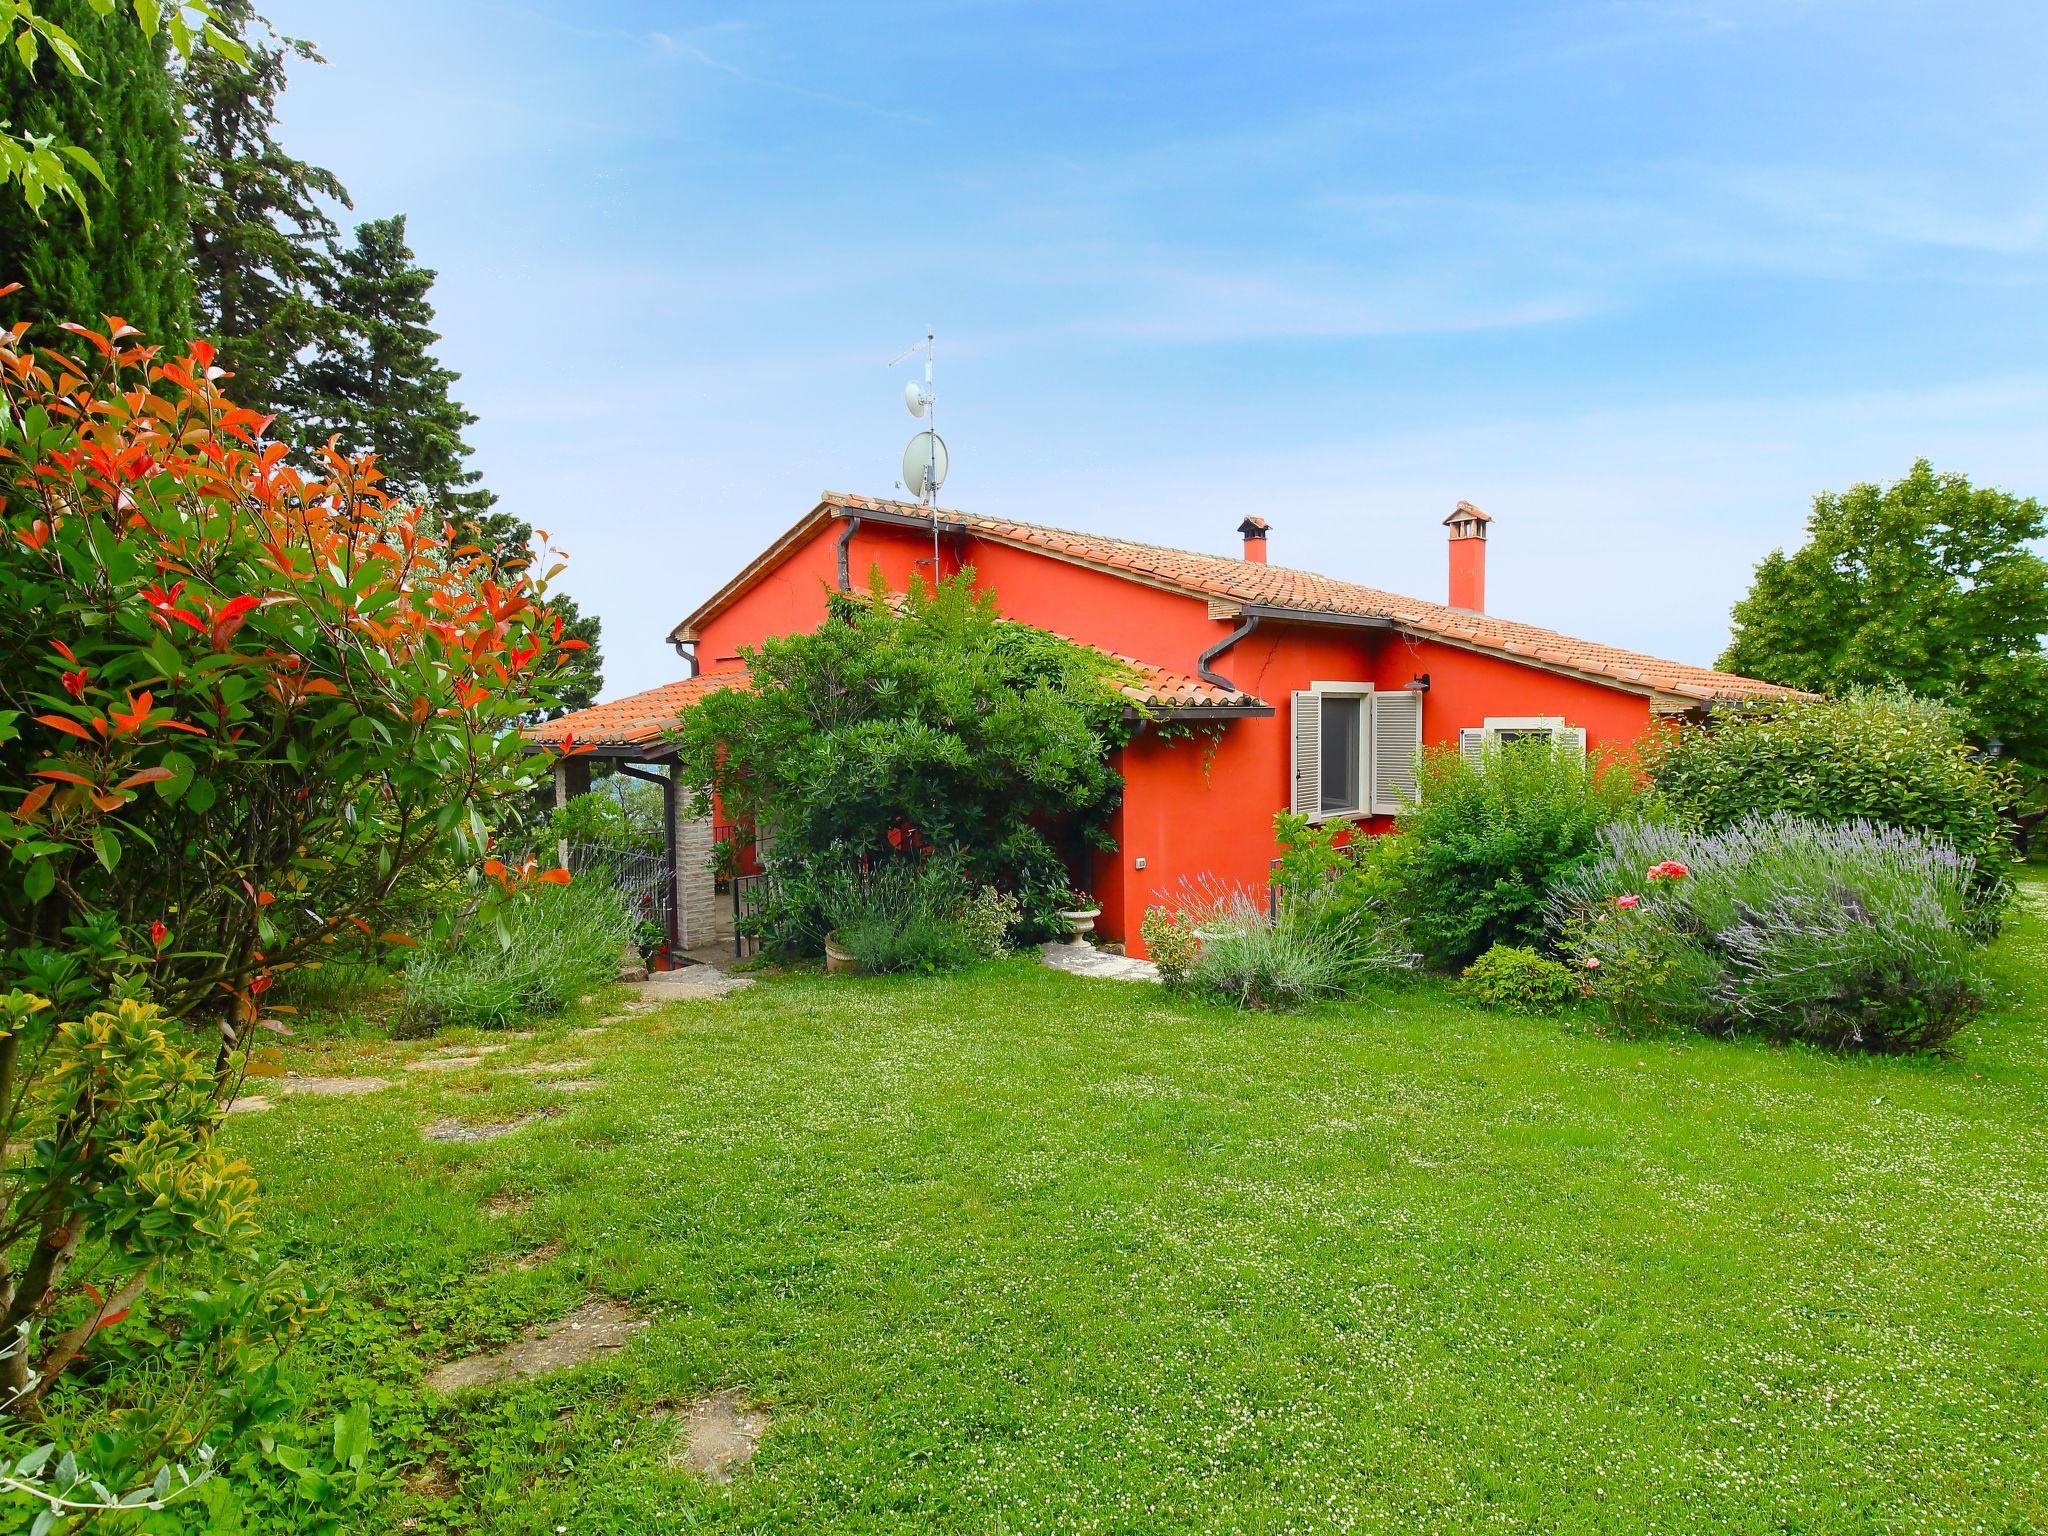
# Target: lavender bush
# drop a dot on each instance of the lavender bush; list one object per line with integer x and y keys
{"x": 1848, "y": 934}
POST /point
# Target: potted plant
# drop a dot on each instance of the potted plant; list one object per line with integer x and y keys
{"x": 839, "y": 962}
{"x": 650, "y": 937}
{"x": 1079, "y": 914}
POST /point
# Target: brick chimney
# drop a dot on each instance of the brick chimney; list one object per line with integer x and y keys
{"x": 1468, "y": 557}
{"x": 1254, "y": 531}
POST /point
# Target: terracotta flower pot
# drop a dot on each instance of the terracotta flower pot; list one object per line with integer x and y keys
{"x": 658, "y": 961}
{"x": 837, "y": 961}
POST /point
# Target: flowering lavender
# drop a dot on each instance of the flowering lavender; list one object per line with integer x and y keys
{"x": 1847, "y": 933}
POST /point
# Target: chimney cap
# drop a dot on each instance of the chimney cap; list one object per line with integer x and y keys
{"x": 1466, "y": 513}
{"x": 1253, "y": 527}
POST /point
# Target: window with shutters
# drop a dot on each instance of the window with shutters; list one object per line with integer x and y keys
{"x": 1396, "y": 747}
{"x": 1333, "y": 746}
{"x": 1499, "y": 731}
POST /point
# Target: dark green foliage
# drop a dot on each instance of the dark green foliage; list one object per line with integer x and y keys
{"x": 934, "y": 719}
{"x": 377, "y": 384}
{"x": 1518, "y": 980}
{"x": 1484, "y": 844}
{"x": 1882, "y": 756}
{"x": 901, "y": 914}
{"x": 262, "y": 243}
{"x": 1930, "y": 584}
{"x": 134, "y": 259}
{"x": 1844, "y": 934}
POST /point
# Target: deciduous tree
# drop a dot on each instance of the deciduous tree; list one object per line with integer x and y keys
{"x": 1931, "y": 584}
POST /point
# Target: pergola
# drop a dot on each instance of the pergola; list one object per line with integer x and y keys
{"x": 634, "y": 734}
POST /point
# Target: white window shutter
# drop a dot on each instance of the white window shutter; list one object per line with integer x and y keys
{"x": 1396, "y": 744}
{"x": 1306, "y": 735}
{"x": 1472, "y": 745}
{"x": 1572, "y": 740}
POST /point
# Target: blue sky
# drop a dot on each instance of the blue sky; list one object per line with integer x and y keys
{"x": 1637, "y": 278}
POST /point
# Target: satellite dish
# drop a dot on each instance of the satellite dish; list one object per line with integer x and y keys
{"x": 924, "y": 465}
{"x": 913, "y": 397}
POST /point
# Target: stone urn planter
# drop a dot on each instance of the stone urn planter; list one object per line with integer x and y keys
{"x": 837, "y": 961}
{"x": 1080, "y": 922}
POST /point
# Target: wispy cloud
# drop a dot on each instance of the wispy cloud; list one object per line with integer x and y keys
{"x": 680, "y": 46}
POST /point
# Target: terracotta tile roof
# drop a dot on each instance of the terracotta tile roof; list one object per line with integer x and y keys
{"x": 1245, "y": 582}
{"x": 638, "y": 720}
{"x": 1160, "y": 687}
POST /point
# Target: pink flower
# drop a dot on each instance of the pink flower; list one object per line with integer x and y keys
{"x": 1625, "y": 902}
{"x": 1670, "y": 869}
{"x": 1592, "y": 963}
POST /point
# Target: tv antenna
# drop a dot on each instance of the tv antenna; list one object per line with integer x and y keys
{"x": 925, "y": 460}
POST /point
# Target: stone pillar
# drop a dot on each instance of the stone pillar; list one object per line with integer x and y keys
{"x": 572, "y": 778}
{"x": 696, "y": 894}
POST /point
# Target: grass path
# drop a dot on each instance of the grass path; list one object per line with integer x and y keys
{"x": 1029, "y": 1253}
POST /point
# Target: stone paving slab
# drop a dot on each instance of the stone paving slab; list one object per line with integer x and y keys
{"x": 715, "y": 1434}
{"x": 327, "y": 1087}
{"x": 594, "y": 1328}
{"x": 448, "y": 1128}
{"x": 542, "y": 1068}
{"x": 1087, "y": 960}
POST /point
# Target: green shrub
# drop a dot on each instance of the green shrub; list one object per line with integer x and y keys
{"x": 1170, "y": 941}
{"x": 988, "y": 918}
{"x": 901, "y": 913}
{"x": 1483, "y": 844}
{"x": 1846, "y": 934}
{"x": 926, "y": 713}
{"x": 1518, "y": 980}
{"x": 546, "y": 951}
{"x": 1869, "y": 755}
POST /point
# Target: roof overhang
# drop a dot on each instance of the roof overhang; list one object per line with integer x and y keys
{"x": 1194, "y": 714}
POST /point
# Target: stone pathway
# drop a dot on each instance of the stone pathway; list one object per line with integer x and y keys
{"x": 542, "y": 1068}
{"x": 595, "y": 1328}
{"x": 1087, "y": 960}
{"x": 317, "y": 1087}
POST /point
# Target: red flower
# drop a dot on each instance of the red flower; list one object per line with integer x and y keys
{"x": 74, "y": 683}
{"x": 1625, "y": 902}
{"x": 159, "y": 935}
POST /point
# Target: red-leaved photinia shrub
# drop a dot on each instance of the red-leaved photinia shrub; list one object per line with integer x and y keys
{"x": 241, "y": 702}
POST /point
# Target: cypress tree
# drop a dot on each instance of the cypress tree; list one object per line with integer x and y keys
{"x": 261, "y": 241}
{"x": 134, "y": 259}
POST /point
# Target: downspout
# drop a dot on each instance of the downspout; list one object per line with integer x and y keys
{"x": 667, "y": 781}
{"x": 845, "y": 539}
{"x": 1217, "y": 679}
{"x": 687, "y": 649}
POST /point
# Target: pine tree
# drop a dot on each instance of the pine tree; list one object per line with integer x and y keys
{"x": 262, "y": 244}
{"x": 376, "y": 385}
{"x": 133, "y": 261}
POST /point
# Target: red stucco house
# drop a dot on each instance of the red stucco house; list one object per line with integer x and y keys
{"x": 1323, "y": 691}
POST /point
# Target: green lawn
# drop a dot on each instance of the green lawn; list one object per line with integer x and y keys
{"x": 1023, "y": 1252}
